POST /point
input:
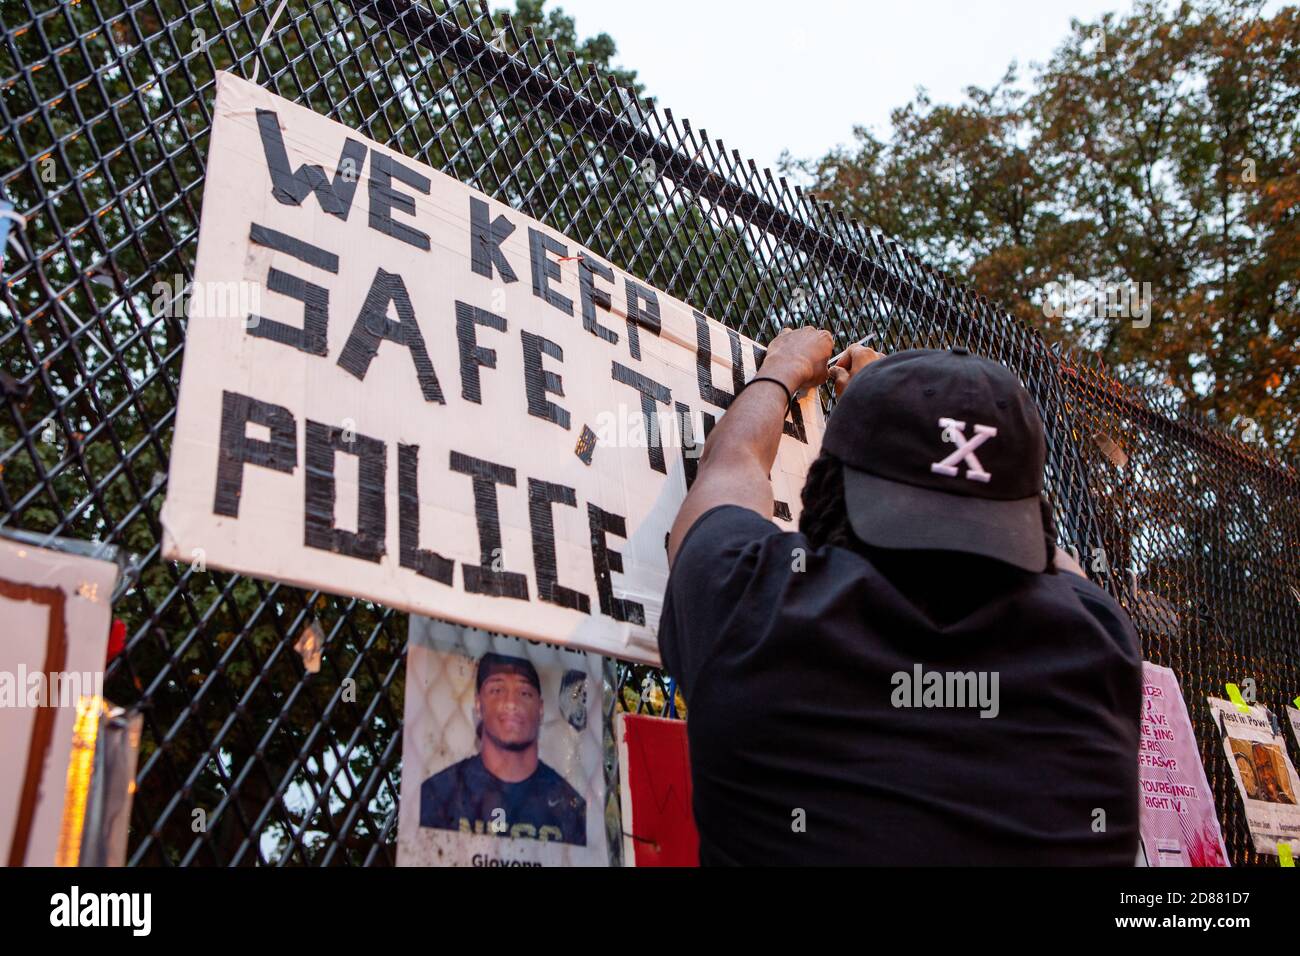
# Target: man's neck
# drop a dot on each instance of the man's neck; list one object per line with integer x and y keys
{"x": 512, "y": 766}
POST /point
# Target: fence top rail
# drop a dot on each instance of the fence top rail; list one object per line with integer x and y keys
{"x": 1191, "y": 428}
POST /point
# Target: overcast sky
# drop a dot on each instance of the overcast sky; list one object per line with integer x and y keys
{"x": 764, "y": 75}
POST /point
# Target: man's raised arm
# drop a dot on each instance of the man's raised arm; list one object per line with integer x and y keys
{"x": 739, "y": 453}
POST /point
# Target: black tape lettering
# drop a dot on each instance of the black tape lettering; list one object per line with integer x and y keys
{"x": 704, "y": 364}
{"x": 428, "y": 564}
{"x": 590, "y": 297}
{"x": 545, "y": 269}
{"x": 781, "y": 510}
{"x": 541, "y": 495}
{"x": 473, "y": 355}
{"x": 539, "y": 382}
{"x": 292, "y": 188}
{"x": 367, "y": 542}
{"x": 643, "y": 311}
{"x": 237, "y": 449}
{"x": 651, "y": 392}
{"x": 691, "y": 448}
{"x": 484, "y": 578}
{"x": 374, "y": 326}
{"x": 793, "y": 425}
{"x": 300, "y": 250}
{"x": 315, "y": 299}
{"x": 384, "y": 199}
{"x": 311, "y": 338}
{"x": 605, "y": 561}
{"x": 485, "y": 238}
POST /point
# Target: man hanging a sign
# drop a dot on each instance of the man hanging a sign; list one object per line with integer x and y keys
{"x": 436, "y": 402}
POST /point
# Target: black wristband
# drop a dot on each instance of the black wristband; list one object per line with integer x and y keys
{"x": 789, "y": 395}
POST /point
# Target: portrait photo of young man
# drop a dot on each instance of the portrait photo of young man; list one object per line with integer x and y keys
{"x": 505, "y": 788}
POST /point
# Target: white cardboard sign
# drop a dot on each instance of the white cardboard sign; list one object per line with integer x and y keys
{"x": 397, "y": 388}
{"x": 1263, "y": 772}
{"x": 54, "y": 622}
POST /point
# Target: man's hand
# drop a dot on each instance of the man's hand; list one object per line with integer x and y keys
{"x": 853, "y": 361}
{"x": 798, "y": 357}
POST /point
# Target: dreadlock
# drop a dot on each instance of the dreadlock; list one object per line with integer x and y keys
{"x": 825, "y": 518}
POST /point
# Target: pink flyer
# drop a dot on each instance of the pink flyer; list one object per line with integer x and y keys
{"x": 1178, "y": 821}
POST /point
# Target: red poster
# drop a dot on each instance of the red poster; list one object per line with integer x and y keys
{"x": 658, "y": 826}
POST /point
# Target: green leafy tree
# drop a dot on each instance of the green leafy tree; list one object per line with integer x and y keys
{"x": 1155, "y": 147}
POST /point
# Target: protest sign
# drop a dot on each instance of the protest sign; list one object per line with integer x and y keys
{"x": 1262, "y": 771}
{"x": 655, "y": 792}
{"x": 56, "y": 613}
{"x": 400, "y": 389}
{"x": 1178, "y": 822}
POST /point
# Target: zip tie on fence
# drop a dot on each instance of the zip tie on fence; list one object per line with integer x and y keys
{"x": 8, "y": 212}
{"x": 257, "y": 64}
{"x": 1234, "y": 695}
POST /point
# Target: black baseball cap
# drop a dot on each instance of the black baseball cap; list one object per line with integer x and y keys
{"x": 493, "y": 663}
{"x": 942, "y": 450}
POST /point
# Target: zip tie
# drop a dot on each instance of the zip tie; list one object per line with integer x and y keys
{"x": 831, "y": 363}
{"x": 7, "y": 235}
{"x": 257, "y": 64}
{"x": 1234, "y": 695}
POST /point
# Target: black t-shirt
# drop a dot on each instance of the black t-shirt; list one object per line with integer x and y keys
{"x": 791, "y": 660}
{"x": 466, "y": 796}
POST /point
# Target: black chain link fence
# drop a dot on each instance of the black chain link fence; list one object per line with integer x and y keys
{"x": 106, "y": 108}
